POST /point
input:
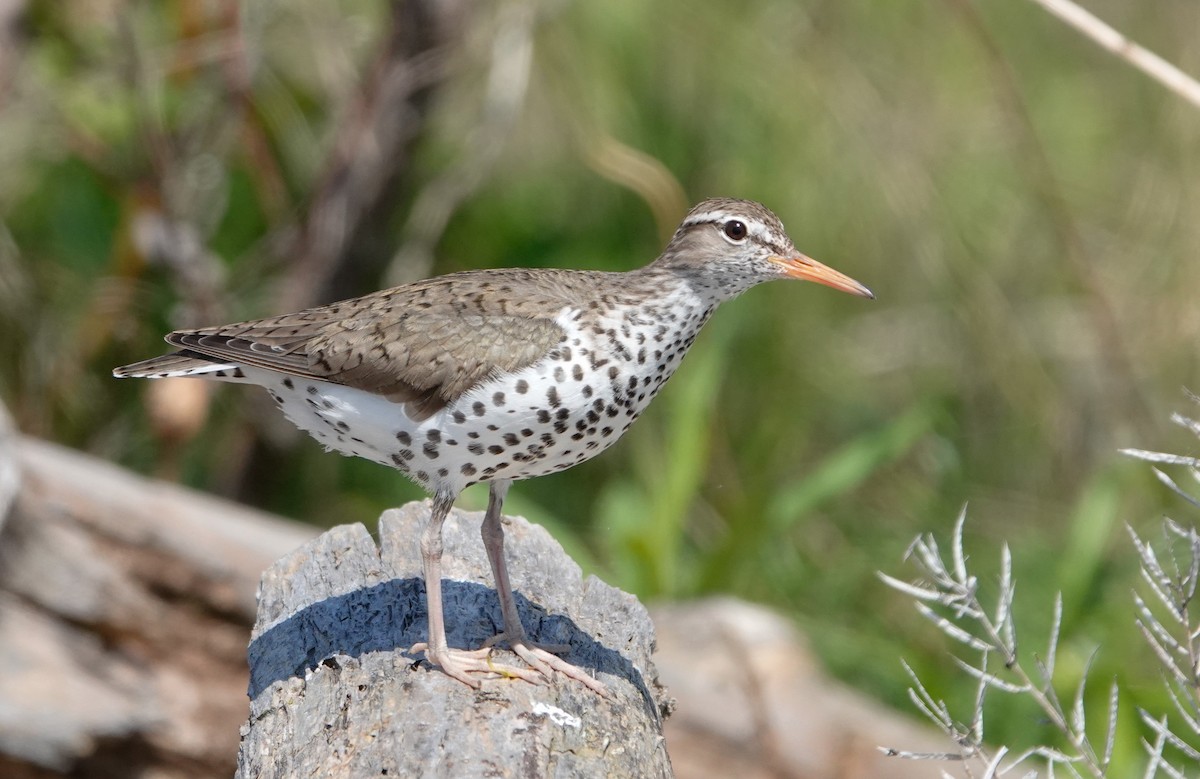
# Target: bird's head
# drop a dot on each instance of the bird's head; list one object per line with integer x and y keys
{"x": 735, "y": 244}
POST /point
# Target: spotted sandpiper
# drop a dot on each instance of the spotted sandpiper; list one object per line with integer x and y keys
{"x": 496, "y": 376}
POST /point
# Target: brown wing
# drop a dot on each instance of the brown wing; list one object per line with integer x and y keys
{"x": 429, "y": 358}
{"x": 415, "y": 345}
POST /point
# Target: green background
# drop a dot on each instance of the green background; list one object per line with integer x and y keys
{"x": 1023, "y": 204}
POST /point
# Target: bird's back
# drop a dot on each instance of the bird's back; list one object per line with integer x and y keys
{"x": 466, "y": 377}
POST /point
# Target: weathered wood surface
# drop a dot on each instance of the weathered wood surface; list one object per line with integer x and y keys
{"x": 334, "y": 693}
{"x": 124, "y": 612}
{"x": 126, "y": 606}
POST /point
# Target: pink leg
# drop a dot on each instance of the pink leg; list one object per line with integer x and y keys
{"x": 540, "y": 657}
{"x": 456, "y": 663}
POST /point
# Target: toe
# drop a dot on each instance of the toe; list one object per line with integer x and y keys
{"x": 469, "y": 667}
{"x": 539, "y": 658}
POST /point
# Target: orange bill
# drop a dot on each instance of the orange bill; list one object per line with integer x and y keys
{"x": 808, "y": 269}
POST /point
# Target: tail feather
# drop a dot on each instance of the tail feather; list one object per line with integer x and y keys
{"x": 182, "y": 363}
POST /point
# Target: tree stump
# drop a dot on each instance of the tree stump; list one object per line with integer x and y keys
{"x": 334, "y": 692}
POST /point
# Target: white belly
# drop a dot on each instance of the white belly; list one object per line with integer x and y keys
{"x": 547, "y": 417}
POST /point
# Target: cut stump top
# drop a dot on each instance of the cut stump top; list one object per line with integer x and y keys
{"x": 334, "y": 691}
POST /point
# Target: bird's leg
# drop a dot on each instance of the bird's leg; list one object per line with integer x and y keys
{"x": 457, "y": 663}
{"x": 493, "y": 542}
{"x": 541, "y": 657}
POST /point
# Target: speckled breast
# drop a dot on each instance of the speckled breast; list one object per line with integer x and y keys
{"x": 558, "y": 412}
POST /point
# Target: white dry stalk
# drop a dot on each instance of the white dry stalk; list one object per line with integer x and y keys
{"x": 948, "y": 597}
{"x": 1173, "y": 637}
{"x": 1167, "y": 622}
{"x": 1113, "y": 41}
{"x": 962, "y": 617}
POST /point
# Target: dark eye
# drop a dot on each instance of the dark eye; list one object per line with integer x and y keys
{"x": 735, "y": 230}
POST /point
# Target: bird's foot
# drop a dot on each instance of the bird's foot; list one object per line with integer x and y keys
{"x": 505, "y": 638}
{"x": 545, "y": 660}
{"x": 461, "y": 664}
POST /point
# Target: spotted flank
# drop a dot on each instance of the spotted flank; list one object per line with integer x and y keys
{"x": 562, "y": 410}
{"x": 495, "y": 375}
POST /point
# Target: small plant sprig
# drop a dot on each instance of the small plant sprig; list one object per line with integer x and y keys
{"x": 1169, "y": 621}
{"x": 947, "y": 595}
{"x": 1169, "y": 627}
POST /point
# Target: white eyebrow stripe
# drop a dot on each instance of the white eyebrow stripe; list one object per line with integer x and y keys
{"x": 755, "y": 227}
{"x": 708, "y": 216}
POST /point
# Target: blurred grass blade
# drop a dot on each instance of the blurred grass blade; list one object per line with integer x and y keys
{"x": 848, "y": 467}
{"x": 1090, "y": 531}
{"x": 841, "y": 472}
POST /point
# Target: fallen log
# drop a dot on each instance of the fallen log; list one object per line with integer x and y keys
{"x": 124, "y": 613}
